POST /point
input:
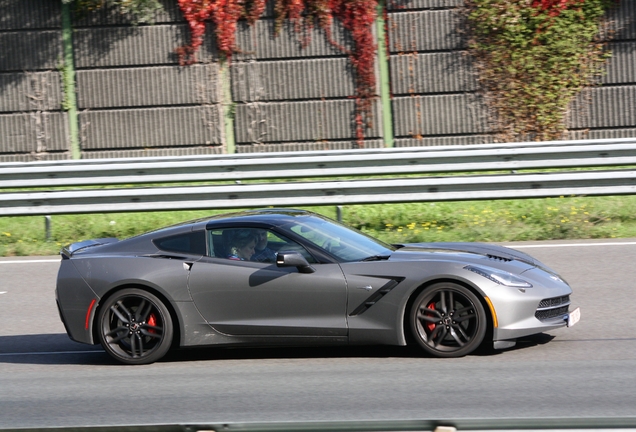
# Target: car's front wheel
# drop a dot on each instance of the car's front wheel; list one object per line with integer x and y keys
{"x": 135, "y": 327}
{"x": 448, "y": 320}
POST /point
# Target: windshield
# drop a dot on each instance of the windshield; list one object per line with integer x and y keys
{"x": 344, "y": 243}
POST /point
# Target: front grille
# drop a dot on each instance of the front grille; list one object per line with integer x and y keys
{"x": 552, "y": 308}
{"x": 555, "y": 301}
{"x": 551, "y": 313}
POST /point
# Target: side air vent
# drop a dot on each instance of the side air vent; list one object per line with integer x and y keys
{"x": 375, "y": 297}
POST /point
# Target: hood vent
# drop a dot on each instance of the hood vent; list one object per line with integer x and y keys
{"x": 498, "y": 258}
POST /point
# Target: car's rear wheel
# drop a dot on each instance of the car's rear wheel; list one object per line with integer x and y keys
{"x": 448, "y": 320}
{"x": 135, "y": 327}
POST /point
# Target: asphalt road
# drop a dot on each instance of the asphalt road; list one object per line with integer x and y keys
{"x": 588, "y": 370}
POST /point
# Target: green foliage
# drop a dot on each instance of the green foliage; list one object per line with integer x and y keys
{"x": 534, "y": 56}
{"x": 498, "y": 221}
{"x": 140, "y": 11}
{"x": 66, "y": 73}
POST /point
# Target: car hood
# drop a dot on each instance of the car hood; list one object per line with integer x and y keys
{"x": 484, "y": 249}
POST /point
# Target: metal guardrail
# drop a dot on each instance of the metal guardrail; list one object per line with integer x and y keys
{"x": 441, "y": 425}
{"x": 413, "y": 160}
{"x": 459, "y": 163}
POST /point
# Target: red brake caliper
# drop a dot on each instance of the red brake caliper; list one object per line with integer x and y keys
{"x": 152, "y": 321}
{"x": 431, "y": 326}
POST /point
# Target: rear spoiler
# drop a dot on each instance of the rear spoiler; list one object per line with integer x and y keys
{"x": 69, "y": 250}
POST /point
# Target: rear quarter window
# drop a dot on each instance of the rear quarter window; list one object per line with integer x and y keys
{"x": 190, "y": 243}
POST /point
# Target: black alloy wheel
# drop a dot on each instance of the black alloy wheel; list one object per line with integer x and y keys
{"x": 135, "y": 327}
{"x": 448, "y": 320}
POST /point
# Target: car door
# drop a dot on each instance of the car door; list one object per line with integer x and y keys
{"x": 261, "y": 299}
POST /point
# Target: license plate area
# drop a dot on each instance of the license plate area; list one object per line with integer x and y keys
{"x": 574, "y": 317}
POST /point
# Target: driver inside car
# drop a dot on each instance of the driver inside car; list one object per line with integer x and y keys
{"x": 262, "y": 253}
{"x": 242, "y": 245}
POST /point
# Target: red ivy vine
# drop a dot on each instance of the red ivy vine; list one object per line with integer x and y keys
{"x": 223, "y": 13}
{"x": 356, "y": 16}
{"x": 554, "y": 7}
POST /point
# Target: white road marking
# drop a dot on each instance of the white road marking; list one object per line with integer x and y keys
{"x": 3, "y": 292}
{"x": 50, "y": 353}
{"x": 572, "y": 245}
{"x": 29, "y": 261}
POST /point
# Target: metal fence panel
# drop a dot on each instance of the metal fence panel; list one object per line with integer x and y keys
{"x": 261, "y": 42}
{"x": 433, "y": 30}
{"x": 30, "y": 50}
{"x": 149, "y": 153}
{"x": 448, "y": 72}
{"x": 452, "y": 140}
{"x": 620, "y": 22}
{"x": 604, "y": 107}
{"x": 621, "y": 66}
{"x": 138, "y": 87}
{"x": 132, "y": 46}
{"x": 30, "y": 14}
{"x": 30, "y": 91}
{"x": 307, "y": 147}
{"x": 292, "y": 79}
{"x": 156, "y": 127}
{"x": 110, "y": 16}
{"x": 609, "y": 134}
{"x": 307, "y": 121}
{"x": 400, "y": 5}
{"x": 438, "y": 115}
{"x": 33, "y": 133}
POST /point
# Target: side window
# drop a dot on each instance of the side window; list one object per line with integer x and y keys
{"x": 215, "y": 243}
{"x": 313, "y": 235}
{"x": 278, "y": 243}
{"x": 190, "y": 243}
{"x": 251, "y": 244}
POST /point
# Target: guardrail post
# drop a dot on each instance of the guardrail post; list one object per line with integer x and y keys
{"x": 47, "y": 228}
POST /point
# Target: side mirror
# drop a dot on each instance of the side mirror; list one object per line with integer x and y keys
{"x": 293, "y": 259}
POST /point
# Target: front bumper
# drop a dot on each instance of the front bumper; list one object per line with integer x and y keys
{"x": 544, "y": 307}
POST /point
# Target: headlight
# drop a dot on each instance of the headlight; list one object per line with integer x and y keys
{"x": 500, "y": 277}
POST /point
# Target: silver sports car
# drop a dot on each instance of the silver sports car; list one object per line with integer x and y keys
{"x": 293, "y": 277}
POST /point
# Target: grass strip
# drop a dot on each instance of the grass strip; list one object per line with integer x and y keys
{"x": 486, "y": 221}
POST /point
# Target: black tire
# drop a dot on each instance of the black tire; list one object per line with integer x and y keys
{"x": 135, "y": 327}
{"x": 448, "y": 320}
